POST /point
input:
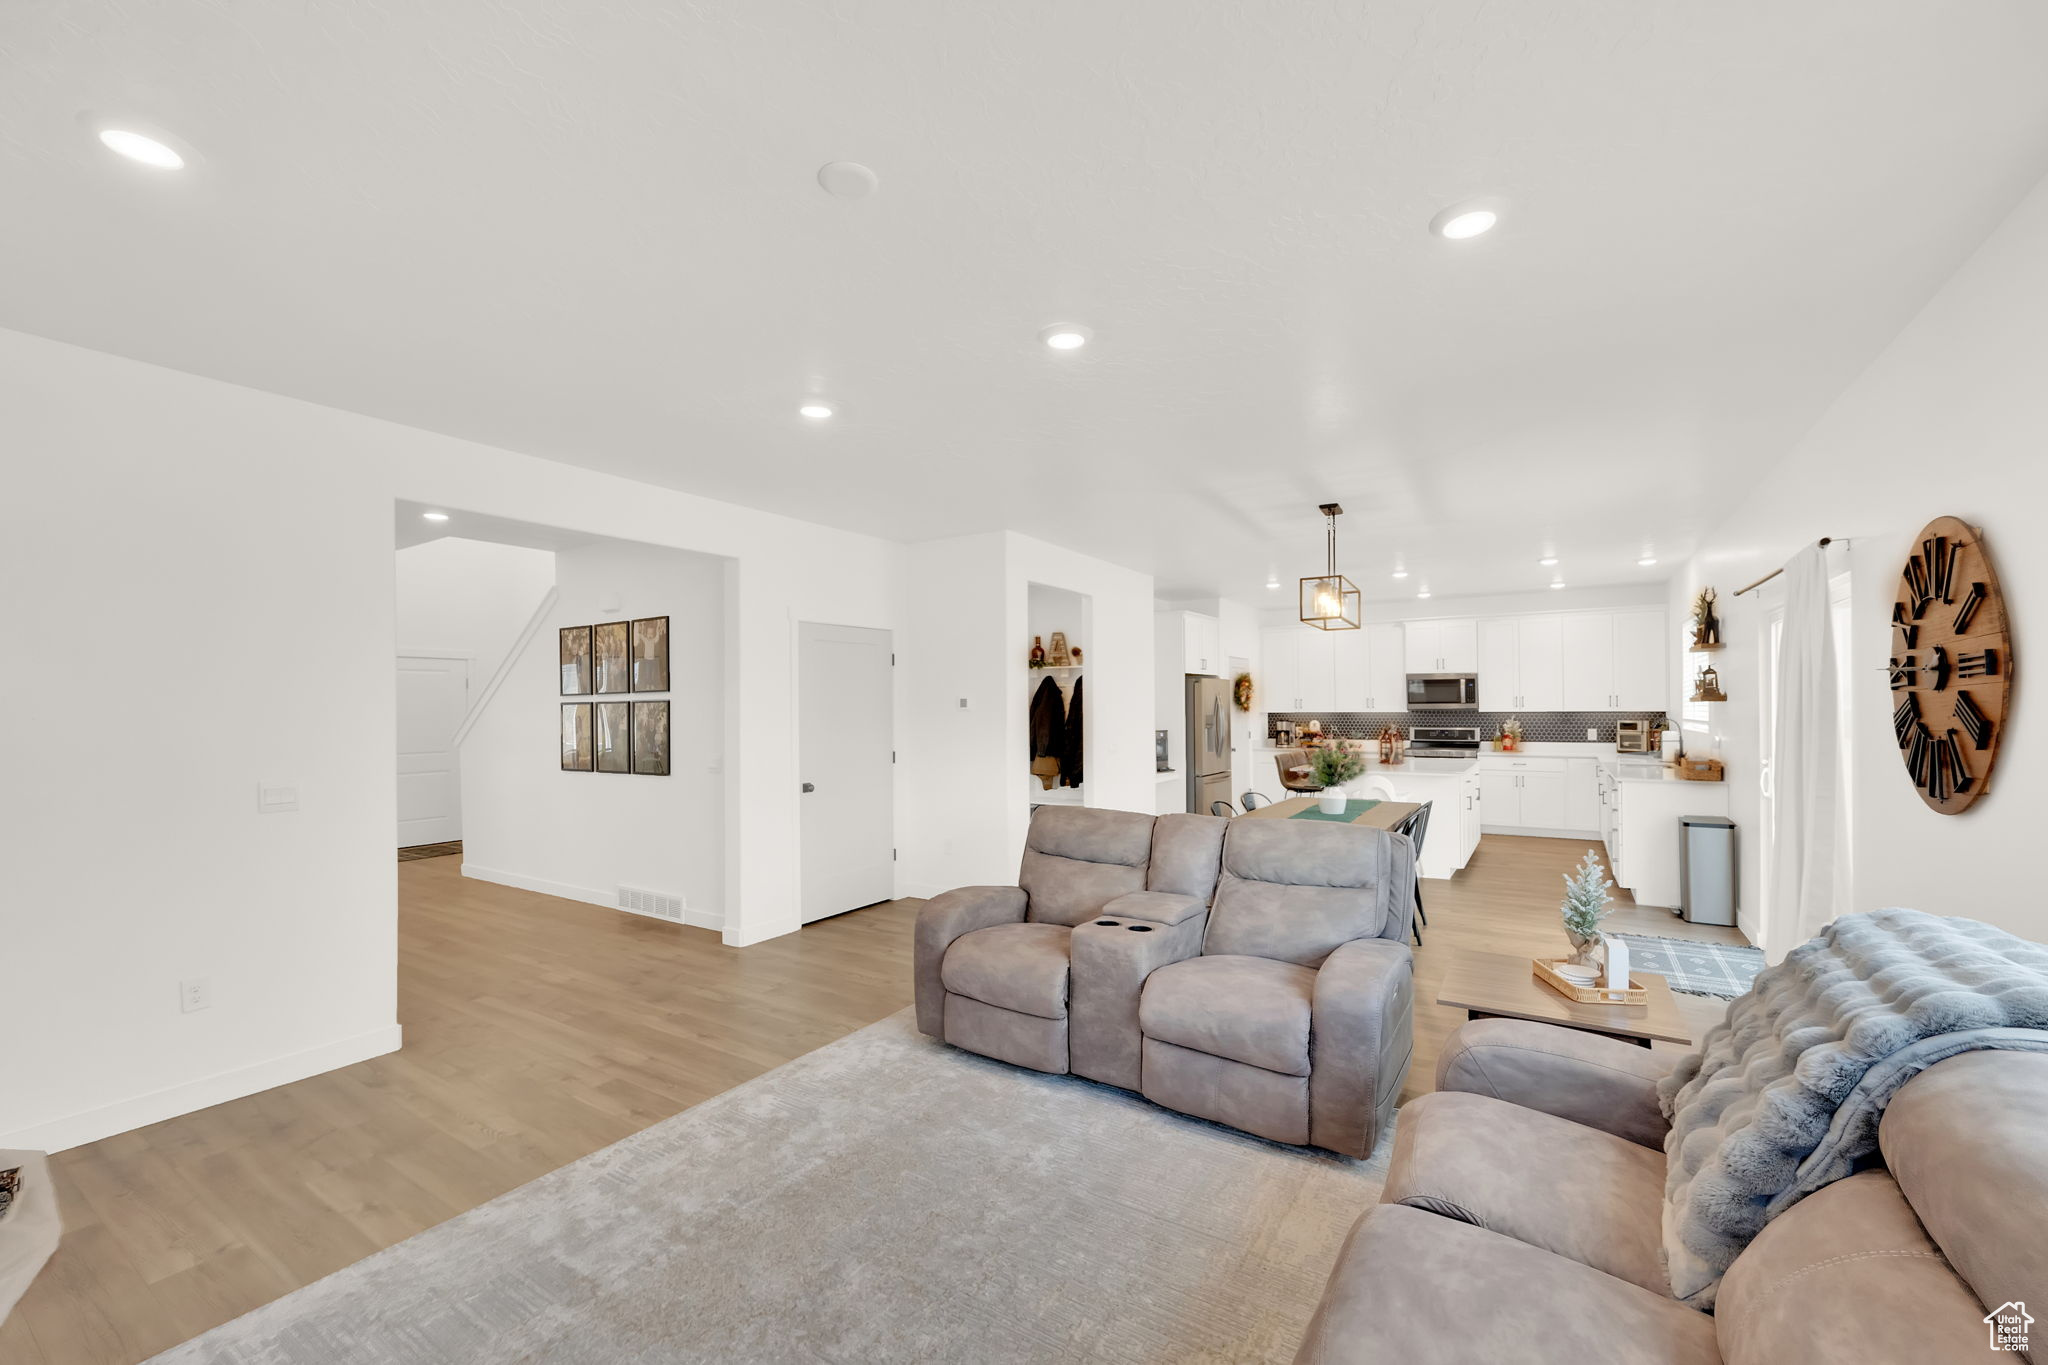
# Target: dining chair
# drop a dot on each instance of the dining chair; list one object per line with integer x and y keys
{"x": 1253, "y": 800}
{"x": 1222, "y": 808}
{"x": 1416, "y": 827}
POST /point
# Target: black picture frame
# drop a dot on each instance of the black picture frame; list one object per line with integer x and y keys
{"x": 611, "y": 655}
{"x": 577, "y": 736}
{"x": 651, "y": 741}
{"x": 650, "y": 654}
{"x": 611, "y": 736}
{"x": 577, "y": 661}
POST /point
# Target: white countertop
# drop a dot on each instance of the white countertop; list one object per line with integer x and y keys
{"x": 1416, "y": 766}
{"x": 1643, "y": 768}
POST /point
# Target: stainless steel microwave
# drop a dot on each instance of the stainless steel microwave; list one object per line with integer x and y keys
{"x": 1443, "y": 691}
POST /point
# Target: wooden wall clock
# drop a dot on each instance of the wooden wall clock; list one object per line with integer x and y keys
{"x": 1951, "y": 666}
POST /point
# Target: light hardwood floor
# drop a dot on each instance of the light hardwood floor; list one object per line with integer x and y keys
{"x": 536, "y": 1031}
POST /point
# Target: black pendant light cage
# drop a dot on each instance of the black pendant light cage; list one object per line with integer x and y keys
{"x": 1329, "y": 602}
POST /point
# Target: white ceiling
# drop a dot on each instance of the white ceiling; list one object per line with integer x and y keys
{"x": 590, "y": 230}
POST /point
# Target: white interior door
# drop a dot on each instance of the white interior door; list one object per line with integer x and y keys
{"x": 845, "y": 737}
{"x": 433, "y": 696}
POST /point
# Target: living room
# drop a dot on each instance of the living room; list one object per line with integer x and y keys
{"x": 931, "y": 333}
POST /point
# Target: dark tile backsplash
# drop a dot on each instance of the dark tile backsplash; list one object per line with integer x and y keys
{"x": 1538, "y": 727}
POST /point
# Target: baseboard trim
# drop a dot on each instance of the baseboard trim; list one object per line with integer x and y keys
{"x": 75, "y": 1130}
{"x": 589, "y": 895}
{"x": 1526, "y": 832}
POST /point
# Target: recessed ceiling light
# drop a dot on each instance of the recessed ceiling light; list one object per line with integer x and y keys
{"x": 1646, "y": 561}
{"x": 1272, "y": 583}
{"x": 1469, "y": 219}
{"x": 1548, "y": 561}
{"x": 1067, "y": 336}
{"x": 434, "y": 516}
{"x": 1423, "y": 593}
{"x": 817, "y": 409}
{"x": 137, "y": 147}
{"x": 1400, "y": 573}
{"x": 1558, "y": 584}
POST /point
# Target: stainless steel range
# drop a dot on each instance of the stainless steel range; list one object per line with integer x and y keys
{"x": 1444, "y": 741}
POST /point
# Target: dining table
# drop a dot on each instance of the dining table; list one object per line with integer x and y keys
{"x": 1373, "y": 815}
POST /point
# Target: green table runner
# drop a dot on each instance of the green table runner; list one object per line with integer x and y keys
{"x": 1352, "y": 810}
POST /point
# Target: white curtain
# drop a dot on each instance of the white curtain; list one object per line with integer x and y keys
{"x": 1806, "y": 770}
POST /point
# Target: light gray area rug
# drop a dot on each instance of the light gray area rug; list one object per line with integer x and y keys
{"x": 885, "y": 1198}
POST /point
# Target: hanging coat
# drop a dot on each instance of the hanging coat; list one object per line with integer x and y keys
{"x": 1048, "y": 720}
{"x": 1070, "y": 742}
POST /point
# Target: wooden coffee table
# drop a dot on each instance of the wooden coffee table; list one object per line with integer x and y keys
{"x": 1498, "y": 986}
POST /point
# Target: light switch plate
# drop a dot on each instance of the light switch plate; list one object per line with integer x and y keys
{"x": 195, "y": 993}
{"x": 275, "y": 798}
{"x": 1592, "y": 733}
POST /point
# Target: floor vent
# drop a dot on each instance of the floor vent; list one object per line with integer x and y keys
{"x": 651, "y": 903}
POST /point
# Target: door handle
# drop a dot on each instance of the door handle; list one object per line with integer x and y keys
{"x": 810, "y": 786}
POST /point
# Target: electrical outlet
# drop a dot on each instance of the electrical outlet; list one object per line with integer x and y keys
{"x": 1592, "y": 733}
{"x": 276, "y": 798}
{"x": 963, "y": 703}
{"x": 195, "y": 993}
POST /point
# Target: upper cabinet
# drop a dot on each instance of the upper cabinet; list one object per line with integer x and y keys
{"x": 1446, "y": 646}
{"x": 1544, "y": 661}
{"x": 1371, "y": 671}
{"x": 1305, "y": 669}
{"x": 1614, "y": 660}
{"x": 1642, "y": 679}
{"x": 1201, "y": 641}
{"x": 1521, "y": 664}
{"x": 1300, "y": 669}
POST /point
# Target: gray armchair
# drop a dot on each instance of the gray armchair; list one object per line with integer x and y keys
{"x": 995, "y": 967}
{"x": 1293, "y": 1019}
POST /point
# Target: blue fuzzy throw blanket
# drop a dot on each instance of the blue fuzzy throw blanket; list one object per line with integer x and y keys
{"x": 1785, "y": 1094}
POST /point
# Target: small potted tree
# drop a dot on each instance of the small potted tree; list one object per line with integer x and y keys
{"x": 1585, "y": 905}
{"x": 1334, "y": 766}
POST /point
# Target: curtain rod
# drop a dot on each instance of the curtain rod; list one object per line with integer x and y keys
{"x": 1825, "y": 541}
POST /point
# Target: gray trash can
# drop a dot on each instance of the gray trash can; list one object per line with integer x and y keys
{"x": 1706, "y": 869}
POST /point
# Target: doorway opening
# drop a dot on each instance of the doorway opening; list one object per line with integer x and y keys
{"x": 1059, "y": 623}
{"x": 561, "y": 712}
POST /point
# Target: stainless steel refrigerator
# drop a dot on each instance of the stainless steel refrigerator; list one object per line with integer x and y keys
{"x": 1208, "y": 742}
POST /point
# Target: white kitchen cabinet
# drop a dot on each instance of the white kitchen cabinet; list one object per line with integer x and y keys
{"x": 1614, "y": 660}
{"x": 1521, "y": 664}
{"x": 1386, "y": 673}
{"x": 1520, "y": 792}
{"x": 1641, "y": 661}
{"x": 1588, "y": 639}
{"x": 1500, "y": 667}
{"x": 1315, "y": 670}
{"x": 1274, "y": 689}
{"x": 1500, "y": 798}
{"x": 1201, "y": 641}
{"x": 1468, "y": 824}
{"x": 1299, "y": 663}
{"x": 1581, "y": 794}
{"x": 1642, "y": 832}
{"x": 1543, "y": 800}
{"x": 1369, "y": 671}
{"x": 1447, "y": 646}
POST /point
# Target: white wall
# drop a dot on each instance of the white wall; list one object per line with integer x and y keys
{"x": 461, "y": 598}
{"x": 968, "y": 605}
{"x": 1951, "y": 419}
{"x": 227, "y": 558}
{"x": 527, "y": 823}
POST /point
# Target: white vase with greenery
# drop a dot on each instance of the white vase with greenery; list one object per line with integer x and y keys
{"x": 1334, "y": 767}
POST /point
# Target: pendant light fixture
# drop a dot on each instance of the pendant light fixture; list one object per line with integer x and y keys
{"x": 1330, "y": 602}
